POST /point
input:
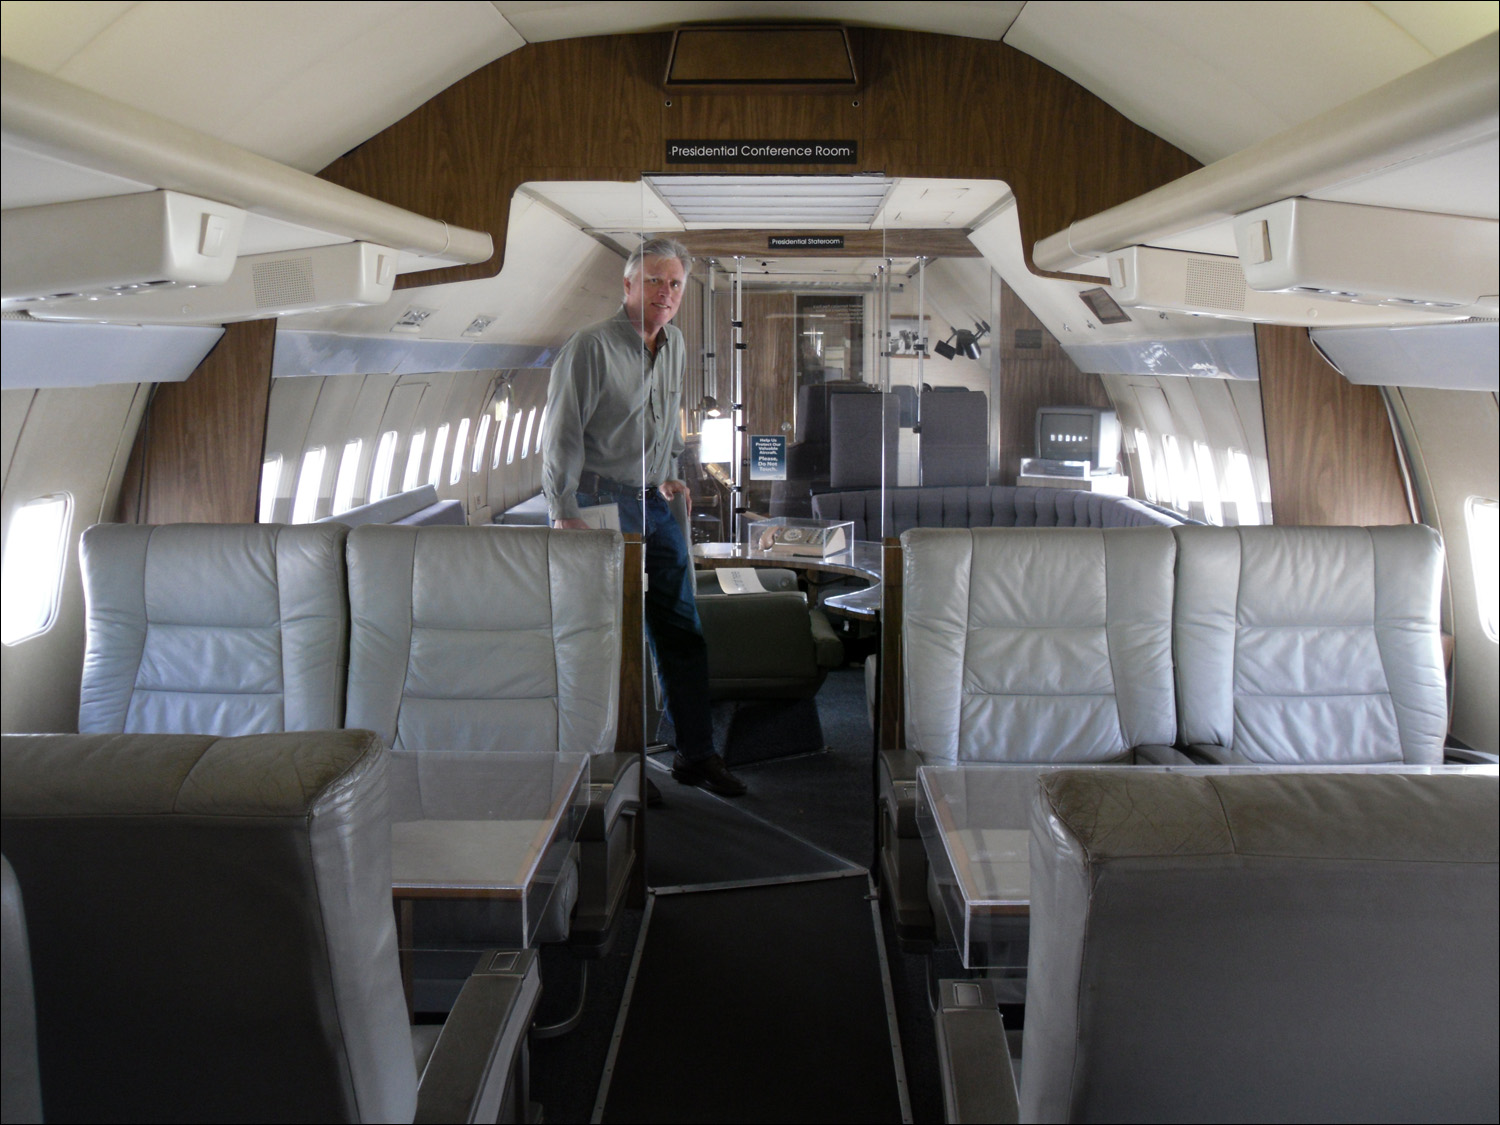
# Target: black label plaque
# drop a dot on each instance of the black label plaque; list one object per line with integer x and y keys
{"x": 805, "y": 242}
{"x": 762, "y": 152}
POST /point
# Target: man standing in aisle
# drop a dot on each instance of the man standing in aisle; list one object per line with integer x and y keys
{"x": 612, "y": 437}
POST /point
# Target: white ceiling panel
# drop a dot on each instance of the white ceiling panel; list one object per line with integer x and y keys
{"x": 605, "y": 206}
{"x": 1215, "y": 78}
{"x": 927, "y": 203}
{"x": 542, "y": 20}
{"x": 32, "y": 178}
{"x": 1461, "y": 182}
{"x": 1057, "y": 305}
{"x": 300, "y": 83}
{"x": 555, "y": 278}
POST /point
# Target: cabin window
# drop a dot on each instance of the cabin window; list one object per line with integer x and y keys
{"x": 1482, "y": 516}
{"x": 35, "y": 551}
{"x": 385, "y": 460}
{"x": 1242, "y": 489}
{"x": 1208, "y": 483}
{"x": 1184, "y": 490}
{"x": 515, "y": 432}
{"x": 270, "y": 487}
{"x": 309, "y": 484}
{"x": 413, "y": 474}
{"x": 526, "y": 441}
{"x": 1148, "y": 467}
{"x": 479, "y": 443}
{"x": 343, "y": 485}
{"x": 439, "y": 447}
{"x": 502, "y": 415}
{"x": 456, "y": 471}
{"x": 541, "y": 427}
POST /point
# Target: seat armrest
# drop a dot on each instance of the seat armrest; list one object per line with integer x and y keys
{"x": 898, "y": 788}
{"x": 606, "y": 771}
{"x": 826, "y": 642}
{"x": 1465, "y": 756}
{"x": 473, "y": 1068}
{"x": 979, "y": 1082}
{"x": 900, "y": 765}
{"x": 1207, "y": 754}
{"x": 1152, "y": 755}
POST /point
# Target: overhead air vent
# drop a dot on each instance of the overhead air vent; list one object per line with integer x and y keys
{"x": 780, "y": 202}
{"x": 1145, "y": 277}
{"x": 1349, "y": 252}
{"x": 761, "y": 57}
{"x": 263, "y": 285}
{"x": 117, "y": 244}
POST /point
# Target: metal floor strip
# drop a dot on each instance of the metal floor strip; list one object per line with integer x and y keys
{"x": 898, "y": 1059}
{"x": 614, "y": 1040}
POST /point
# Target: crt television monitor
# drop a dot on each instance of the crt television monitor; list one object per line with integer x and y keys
{"x": 1079, "y": 433}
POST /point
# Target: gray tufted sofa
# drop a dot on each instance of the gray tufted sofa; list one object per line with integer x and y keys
{"x": 982, "y": 506}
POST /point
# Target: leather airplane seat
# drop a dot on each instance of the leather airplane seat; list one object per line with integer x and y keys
{"x": 1264, "y": 946}
{"x": 492, "y": 639}
{"x": 768, "y": 653}
{"x": 221, "y": 629}
{"x": 212, "y": 937}
{"x": 1298, "y": 645}
{"x": 1030, "y": 647}
{"x": 954, "y": 449}
{"x": 20, "y": 1080}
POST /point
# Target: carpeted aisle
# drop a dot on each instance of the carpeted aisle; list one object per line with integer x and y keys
{"x": 763, "y": 1003}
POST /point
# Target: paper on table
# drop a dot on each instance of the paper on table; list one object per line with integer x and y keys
{"x": 740, "y": 580}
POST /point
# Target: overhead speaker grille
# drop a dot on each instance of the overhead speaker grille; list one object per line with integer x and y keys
{"x": 283, "y": 283}
{"x": 1215, "y": 285}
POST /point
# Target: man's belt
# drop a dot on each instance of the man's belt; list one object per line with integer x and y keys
{"x": 593, "y": 482}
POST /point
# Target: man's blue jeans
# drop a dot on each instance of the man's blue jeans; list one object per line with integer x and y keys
{"x": 672, "y": 624}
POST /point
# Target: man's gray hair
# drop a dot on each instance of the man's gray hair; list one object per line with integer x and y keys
{"x": 658, "y": 248}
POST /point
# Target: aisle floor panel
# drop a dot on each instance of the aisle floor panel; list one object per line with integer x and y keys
{"x": 758, "y": 1004}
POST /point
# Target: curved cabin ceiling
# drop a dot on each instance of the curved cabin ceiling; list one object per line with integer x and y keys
{"x": 303, "y": 83}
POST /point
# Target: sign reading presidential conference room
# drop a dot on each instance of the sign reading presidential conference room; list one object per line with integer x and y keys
{"x": 762, "y": 152}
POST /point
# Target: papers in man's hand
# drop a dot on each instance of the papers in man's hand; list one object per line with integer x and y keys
{"x": 740, "y": 580}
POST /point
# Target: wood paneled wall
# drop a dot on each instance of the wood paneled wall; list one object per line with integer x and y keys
{"x": 1031, "y": 378}
{"x": 1330, "y": 452}
{"x": 593, "y": 109}
{"x": 197, "y": 455}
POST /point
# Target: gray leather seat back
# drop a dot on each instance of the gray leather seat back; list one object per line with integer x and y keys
{"x": 211, "y": 924}
{"x": 1311, "y": 644}
{"x": 20, "y": 1081}
{"x": 485, "y": 638}
{"x": 1286, "y": 946}
{"x": 1025, "y": 644}
{"x": 214, "y": 628}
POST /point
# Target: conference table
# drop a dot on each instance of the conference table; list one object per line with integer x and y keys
{"x": 861, "y": 560}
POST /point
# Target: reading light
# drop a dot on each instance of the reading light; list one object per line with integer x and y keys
{"x": 944, "y": 348}
{"x": 709, "y": 407}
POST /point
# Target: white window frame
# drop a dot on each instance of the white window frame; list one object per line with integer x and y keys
{"x": 385, "y": 463}
{"x": 31, "y": 574}
{"x": 309, "y": 485}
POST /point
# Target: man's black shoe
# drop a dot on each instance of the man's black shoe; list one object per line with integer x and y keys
{"x": 711, "y": 773}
